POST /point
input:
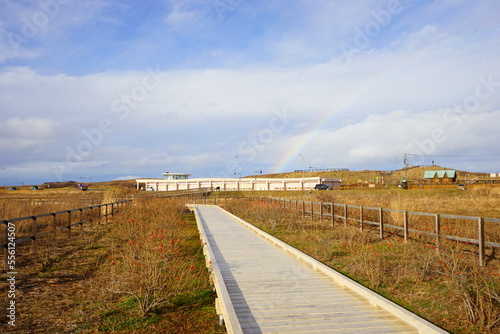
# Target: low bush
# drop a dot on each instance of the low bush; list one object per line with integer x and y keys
{"x": 151, "y": 259}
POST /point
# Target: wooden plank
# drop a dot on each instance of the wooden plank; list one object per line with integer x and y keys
{"x": 273, "y": 288}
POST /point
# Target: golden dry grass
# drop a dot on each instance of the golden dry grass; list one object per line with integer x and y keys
{"x": 413, "y": 174}
{"x": 95, "y": 282}
{"x": 446, "y": 287}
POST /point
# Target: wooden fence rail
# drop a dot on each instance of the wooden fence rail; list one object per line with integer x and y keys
{"x": 61, "y": 220}
{"x": 15, "y": 232}
{"x": 480, "y": 231}
{"x": 359, "y": 215}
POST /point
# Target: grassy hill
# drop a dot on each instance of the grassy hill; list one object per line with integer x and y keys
{"x": 413, "y": 174}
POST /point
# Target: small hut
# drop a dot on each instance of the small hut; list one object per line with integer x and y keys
{"x": 441, "y": 176}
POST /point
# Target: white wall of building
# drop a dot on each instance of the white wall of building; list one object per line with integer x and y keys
{"x": 228, "y": 184}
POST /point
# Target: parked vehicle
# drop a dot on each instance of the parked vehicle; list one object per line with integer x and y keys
{"x": 83, "y": 186}
{"x": 322, "y": 186}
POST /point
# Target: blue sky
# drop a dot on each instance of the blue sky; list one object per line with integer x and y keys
{"x": 123, "y": 89}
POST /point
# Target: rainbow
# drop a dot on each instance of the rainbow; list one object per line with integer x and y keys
{"x": 285, "y": 161}
{"x": 307, "y": 136}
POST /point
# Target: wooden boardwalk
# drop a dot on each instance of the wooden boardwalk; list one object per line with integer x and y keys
{"x": 266, "y": 286}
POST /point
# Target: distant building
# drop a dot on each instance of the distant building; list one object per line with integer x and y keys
{"x": 441, "y": 176}
{"x": 175, "y": 176}
{"x": 180, "y": 181}
{"x": 334, "y": 183}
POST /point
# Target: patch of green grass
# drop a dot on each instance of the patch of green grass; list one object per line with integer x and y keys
{"x": 195, "y": 298}
{"x": 337, "y": 254}
{"x": 128, "y": 322}
{"x": 129, "y": 304}
{"x": 124, "y": 317}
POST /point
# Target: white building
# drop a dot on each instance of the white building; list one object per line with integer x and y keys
{"x": 175, "y": 176}
{"x": 180, "y": 181}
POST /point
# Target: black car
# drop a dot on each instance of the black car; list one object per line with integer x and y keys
{"x": 322, "y": 186}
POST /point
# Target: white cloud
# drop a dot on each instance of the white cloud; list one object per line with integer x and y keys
{"x": 186, "y": 15}
{"x": 385, "y": 101}
{"x": 34, "y": 134}
{"x": 381, "y": 140}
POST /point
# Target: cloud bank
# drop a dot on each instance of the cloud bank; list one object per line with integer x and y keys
{"x": 109, "y": 89}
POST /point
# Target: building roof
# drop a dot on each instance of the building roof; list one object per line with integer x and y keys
{"x": 431, "y": 174}
{"x": 175, "y": 176}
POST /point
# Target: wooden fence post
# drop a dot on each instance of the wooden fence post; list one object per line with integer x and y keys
{"x": 345, "y": 214}
{"x": 361, "y": 218}
{"x": 381, "y": 220}
{"x": 81, "y": 221}
{"x": 312, "y": 210}
{"x": 405, "y": 224}
{"x": 54, "y": 235}
{"x": 320, "y": 211}
{"x": 333, "y": 213}
{"x": 303, "y": 209}
{"x": 438, "y": 230}
{"x": 54, "y": 232}
{"x": 480, "y": 225}
{"x": 34, "y": 233}
{"x": 69, "y": 224}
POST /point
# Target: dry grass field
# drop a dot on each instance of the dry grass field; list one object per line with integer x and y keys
{"x": 390, "y": 178}
{"x": 477, "y": 201}
{"x": 143, "y": 270}
{"x": 447, "y": 287}
{"x": 25, "y": 202}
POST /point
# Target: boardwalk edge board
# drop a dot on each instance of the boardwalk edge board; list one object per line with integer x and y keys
{"x": 223, "y": 303}
{"x": 226, "y": 308}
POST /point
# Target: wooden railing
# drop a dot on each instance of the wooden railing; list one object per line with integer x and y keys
{"x": 30, "y": 229}
{"x": 17, "y": 231}
{"x": 172, "y": 193}
{"x": 480, "y": 231}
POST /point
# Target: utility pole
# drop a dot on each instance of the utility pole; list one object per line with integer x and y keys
{"x": 303, "y": 167}
{"x": 310, "y": 173}
{"x": 406, "y": 164}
